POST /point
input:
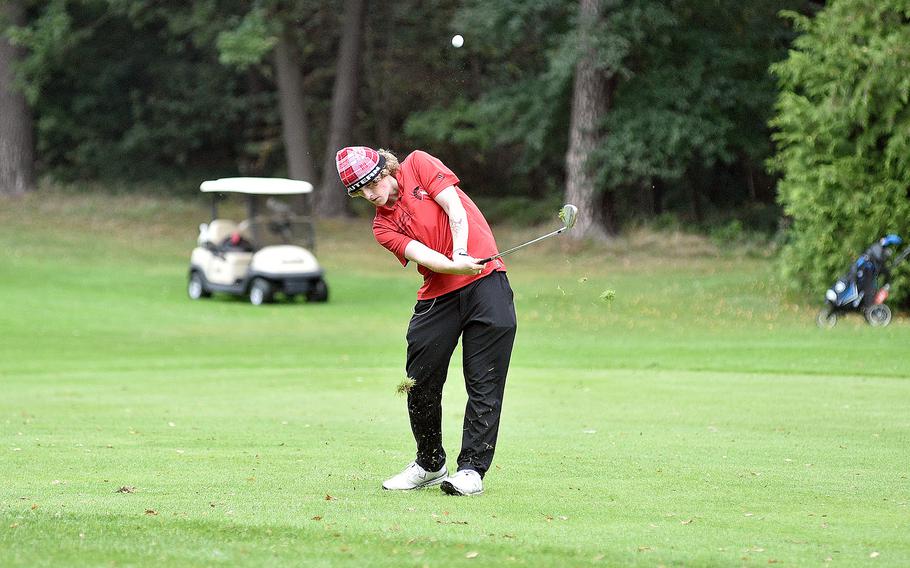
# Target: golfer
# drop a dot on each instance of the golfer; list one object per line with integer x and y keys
{"x": 422, "y": 216}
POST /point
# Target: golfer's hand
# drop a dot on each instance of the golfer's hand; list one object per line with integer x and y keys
{"x": 462, "y": 264}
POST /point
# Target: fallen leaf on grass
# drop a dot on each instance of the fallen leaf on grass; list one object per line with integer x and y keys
{"x": 329, "y": 497}
{"x": 317, "y": 518}
{"x": 34, "y": 506}
{"x": 126, "y": 489}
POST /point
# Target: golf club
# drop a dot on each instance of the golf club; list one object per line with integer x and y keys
{"x": 568, "y": 214}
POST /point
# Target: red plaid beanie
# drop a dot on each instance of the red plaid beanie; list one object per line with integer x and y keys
{"x": 358, "y": 166}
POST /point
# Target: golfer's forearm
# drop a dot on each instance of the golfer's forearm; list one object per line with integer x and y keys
{"x": 425, "y": 256}
{"x": 459, "y": 225}
{"x": 458, "y": 218}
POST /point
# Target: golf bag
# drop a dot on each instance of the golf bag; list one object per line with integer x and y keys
{"x": 865, "y": 287}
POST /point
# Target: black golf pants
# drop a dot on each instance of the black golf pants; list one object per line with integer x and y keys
{"x": 483, "y": 315}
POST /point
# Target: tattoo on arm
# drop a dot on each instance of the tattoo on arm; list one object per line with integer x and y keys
{"x": 456, "y": 225}
{"x": 458, "y": 219}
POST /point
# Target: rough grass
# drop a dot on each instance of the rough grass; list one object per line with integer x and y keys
{"x": 697, "y": 418}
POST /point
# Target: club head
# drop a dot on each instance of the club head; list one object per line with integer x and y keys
{"x": 568, "y": 214}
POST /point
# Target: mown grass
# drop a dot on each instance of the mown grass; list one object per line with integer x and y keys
{"x": 699, "y": 418}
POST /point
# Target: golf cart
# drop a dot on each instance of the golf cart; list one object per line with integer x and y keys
{"x": 262, "y": 256}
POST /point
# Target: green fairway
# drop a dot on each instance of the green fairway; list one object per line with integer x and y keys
{"x": 698, "y": 418}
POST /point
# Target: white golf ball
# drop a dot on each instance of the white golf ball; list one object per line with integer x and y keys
{"x": 457, "y": 40}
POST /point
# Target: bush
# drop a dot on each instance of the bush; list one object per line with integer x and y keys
{"x": 843, "y": 137}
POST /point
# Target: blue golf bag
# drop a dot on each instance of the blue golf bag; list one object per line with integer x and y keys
{"x": 865, "y": 287}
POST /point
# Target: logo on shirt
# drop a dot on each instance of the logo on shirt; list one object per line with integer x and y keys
{"x": 418, "y": 193}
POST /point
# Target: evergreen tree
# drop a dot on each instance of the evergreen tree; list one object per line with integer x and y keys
{"x": 843, "y": 136}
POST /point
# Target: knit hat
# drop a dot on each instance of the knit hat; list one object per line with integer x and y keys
{"x": 358, "y": 166}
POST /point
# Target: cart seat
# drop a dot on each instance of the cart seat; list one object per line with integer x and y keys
{"x": 219, "y": 230}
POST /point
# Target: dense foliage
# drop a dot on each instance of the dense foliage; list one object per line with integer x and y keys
{"x": 686, "y": 131}
{"x": 843, "y": 132}
{"x": 162, "y": 89}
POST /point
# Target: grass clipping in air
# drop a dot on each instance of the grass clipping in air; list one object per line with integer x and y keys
{"x": 405, "y": 386}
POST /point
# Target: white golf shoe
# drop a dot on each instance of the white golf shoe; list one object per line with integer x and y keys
{"x": 415, "y": 477}
{"x": 464, "y": 482}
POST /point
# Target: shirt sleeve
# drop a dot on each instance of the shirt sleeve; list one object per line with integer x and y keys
{"x": 389, "y": 237}
{"x": 431, "y": 173}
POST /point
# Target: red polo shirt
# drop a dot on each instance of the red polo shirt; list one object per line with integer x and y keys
{"x": 416, "y": 216}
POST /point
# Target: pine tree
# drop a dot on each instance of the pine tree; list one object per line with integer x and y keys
{"x": 843, "y": 136}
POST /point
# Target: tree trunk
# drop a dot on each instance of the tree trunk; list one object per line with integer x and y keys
{"x": 17, "y": 154}
{"x": 750, "y": 180}
{"x": 294, "y": 126}
{"x": 332, "y": 200}
{"x": 589, "y": 106}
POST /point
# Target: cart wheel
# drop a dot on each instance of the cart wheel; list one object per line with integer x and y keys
{"x": 195, "y": 288}
{"x": 261, "y": 292}
{"x": 878, "y": 315}
{"x": 826, "y": 318}
{"x": 319, "y": 292}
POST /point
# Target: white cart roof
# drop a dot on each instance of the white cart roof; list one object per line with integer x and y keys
{"x": 257, "y": 186}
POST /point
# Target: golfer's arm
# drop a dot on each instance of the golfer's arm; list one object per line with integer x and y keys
{"x": 425, "y": 256}
{"x": 458, "y": 219}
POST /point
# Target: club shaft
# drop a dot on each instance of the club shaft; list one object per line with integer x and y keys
{"x": 521, "y": 246}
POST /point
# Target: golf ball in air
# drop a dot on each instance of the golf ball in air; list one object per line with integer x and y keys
{"x": 457, "y": 40}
